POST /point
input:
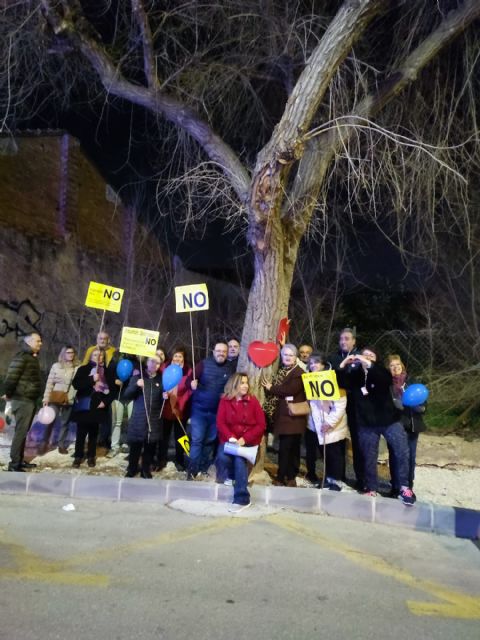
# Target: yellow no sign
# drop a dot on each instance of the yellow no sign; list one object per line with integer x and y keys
{"x": 321, "y": 385}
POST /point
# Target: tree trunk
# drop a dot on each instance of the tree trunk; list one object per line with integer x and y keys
{"x": 269, "y": 294}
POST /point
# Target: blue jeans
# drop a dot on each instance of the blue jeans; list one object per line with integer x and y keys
{"x": 203, "y": 434}
{"x": 412, "y": 441}
{"x": 234, "y": 467}
{"x": 63, "y": 413}
{"x": 396, "y": 439}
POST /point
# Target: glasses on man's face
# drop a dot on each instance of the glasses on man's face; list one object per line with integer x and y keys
{"x": 70, "y": 353}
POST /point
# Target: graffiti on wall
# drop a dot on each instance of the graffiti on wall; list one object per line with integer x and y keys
{"x": 19, "y": 318}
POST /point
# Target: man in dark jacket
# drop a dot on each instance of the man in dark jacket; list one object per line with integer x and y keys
{"x": 23, "y": 385}
{"x": 347, "y": 347}
{"x": 211, "y": 377}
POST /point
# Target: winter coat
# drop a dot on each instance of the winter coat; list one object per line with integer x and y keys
{"x": 292, "y": 385}
{"x": 84, "y": 384}
{"x": 178, "y": 402}
{"x": 149, "y": 399}
{"x": 412, "y": 419}
{"x": 240, "y": 419}
{"x": 60, "y": 378}
{"x": 333, "y": 413}
{"x": 212, "y": 378}
{"x": 376, "y": 408}
{"x": 23, "y": 379}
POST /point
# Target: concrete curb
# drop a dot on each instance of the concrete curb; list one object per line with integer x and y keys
{"x": 428, "y": 517}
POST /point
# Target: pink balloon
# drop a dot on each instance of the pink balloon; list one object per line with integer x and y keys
{"x": 46, "y": 415}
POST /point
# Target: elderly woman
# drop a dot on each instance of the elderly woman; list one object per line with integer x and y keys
{"x": 144, "y": 432}
{"x": 240, "y": 420}
{"x": 327, "y": 425}
{"x": 286, "y": 388}
{"x": 60, "y": 393}
{"x": 95, "y": 385}
{"x": 376, "y": 416}
{"x": 411, "y": 419}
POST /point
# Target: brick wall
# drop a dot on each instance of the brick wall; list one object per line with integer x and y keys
{"x": 29, "y": 186}
{"x": 49, "y": 188}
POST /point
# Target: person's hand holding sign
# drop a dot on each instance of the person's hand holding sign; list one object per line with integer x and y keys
{"x": 140, "y": 383}
{"x": 194, "y": 385}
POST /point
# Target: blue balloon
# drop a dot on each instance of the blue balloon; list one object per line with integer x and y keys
{"x": 171, "y": 376}
{"x": 414, "y": 395}
{"x": 124, "y": 369}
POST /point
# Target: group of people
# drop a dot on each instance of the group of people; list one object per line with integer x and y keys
{"x": 215, "y": 406}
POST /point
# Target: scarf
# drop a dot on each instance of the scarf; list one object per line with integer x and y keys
{"x": 398, "y": 385}
{"x": 101, "y": 384}
{"x": 271, "y": 402}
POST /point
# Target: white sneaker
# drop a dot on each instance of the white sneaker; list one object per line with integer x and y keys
{"x": 304, "y": 482}
{"x": 112, "y": 453}
{"x": 228, "y": 482}
{"x": 236, "y": 508}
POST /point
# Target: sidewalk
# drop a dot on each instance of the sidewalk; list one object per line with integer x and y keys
{"x": 55, "y": 477}
{"x": 427, "y": 517}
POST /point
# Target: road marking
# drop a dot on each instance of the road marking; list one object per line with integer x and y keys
{"x": 169, "y": 537}
{"x": 455, "y": 605}
{"x": 30, "y": 566}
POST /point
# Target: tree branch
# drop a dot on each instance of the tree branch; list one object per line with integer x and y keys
{"x": 149, "y": 66}
{"x": 286, "y": 144}
{"x": 319, "y": 155}
{"x": 346, "y": 27}
{"x": 67, "y": 26}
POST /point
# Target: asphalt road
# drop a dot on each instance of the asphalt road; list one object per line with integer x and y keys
{"x": 124, "y": 571}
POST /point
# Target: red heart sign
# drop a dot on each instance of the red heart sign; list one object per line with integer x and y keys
{"x": 262, "y": 353}
{"x": 283, "y": 330}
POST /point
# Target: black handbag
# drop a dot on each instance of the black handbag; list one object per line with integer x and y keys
{"x": 81, "y": 404}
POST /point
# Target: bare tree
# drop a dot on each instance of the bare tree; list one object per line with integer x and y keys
{"x": 332, "y": 67}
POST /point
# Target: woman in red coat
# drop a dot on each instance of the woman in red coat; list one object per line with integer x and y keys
{"x": 240, "y": 420}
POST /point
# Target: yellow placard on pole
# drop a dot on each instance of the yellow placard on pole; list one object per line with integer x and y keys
{"x": 103, "y": 296}
{"x": 193, "y": 297}
{"x": 321, "y": 385}
{"x": 139, "y": 342}
{"x": 185, "y": 444}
